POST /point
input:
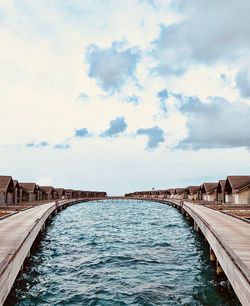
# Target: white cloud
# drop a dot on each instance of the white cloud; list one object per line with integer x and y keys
{"x": 44, "y": 72}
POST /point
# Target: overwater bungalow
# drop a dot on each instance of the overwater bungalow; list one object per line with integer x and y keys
{"x": 143, "y": 194}
{"x": 208, "y": 191}
{"x": 6, "y": 190}
{"x": 192, "y": 192}
{"x": 237, "y": 189}
{"x": 30, "y": 192}
{"x": 96, "y": 194}
{"x": 84, "y": 194}
{"x": 88, "y": 194}
{"x": 59, "y": 193}
{"x": 47, "y": 193}
{"x": 102, "y": 194}
{"x": 68, "y": 193}
{"x": 179, "y": 193}
{"x": 76, "y": 194}
{"x": 220, "y": 194}
{"x": 161, "y": 194}
{"x": 171, "y": 192}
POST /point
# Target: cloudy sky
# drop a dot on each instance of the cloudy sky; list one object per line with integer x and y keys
{"x": 124, "y": 95}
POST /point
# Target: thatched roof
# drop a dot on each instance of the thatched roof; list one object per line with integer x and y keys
{"x": 46, "y": 189}
{"x": 180, "y": 190}
{"x": 29, "y": 187}
{"x": 171, "y": 190}
{"x": 238, "y": 182}
{"x": 68, "y": 191}
{"x": 209, "y": 187}
{"x": 5, "y": 183}
{"x": 59, "y": 190}
{"x": 221, "y": 185}
{"x": 192, "y": 189}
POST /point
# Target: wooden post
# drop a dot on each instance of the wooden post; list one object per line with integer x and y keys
{"x": 43, "y": 227}
{"x": 219, "y": 269}
{"x": 212, "y": 255}
{"x": 196, "y": 227}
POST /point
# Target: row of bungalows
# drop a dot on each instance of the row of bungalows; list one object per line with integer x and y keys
{"x": 234, "y": 190}
{"x": 13, "y": 192}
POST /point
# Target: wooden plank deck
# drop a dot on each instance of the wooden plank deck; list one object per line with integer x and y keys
{"x": 17, "y": 234}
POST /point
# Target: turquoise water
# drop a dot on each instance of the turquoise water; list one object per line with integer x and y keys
{"x": 123, "y": 253}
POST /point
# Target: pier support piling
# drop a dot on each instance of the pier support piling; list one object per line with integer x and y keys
{"x": 43, "y": 227}
{"x": 212, "y": 255}
{"x": 196, "y": 227}
{"x": 219, "y": 269}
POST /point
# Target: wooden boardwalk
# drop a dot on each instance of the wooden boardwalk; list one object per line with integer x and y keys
{"x": 229, "y": 238}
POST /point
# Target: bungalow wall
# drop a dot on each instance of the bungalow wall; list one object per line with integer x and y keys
{"x": 220, "y": 197}
{"x": 46, "y": 196}
{"x": 211, "y": 196}
{"x": 10, "y": 197}
{"x": 229, "y": 198}
{"x": 204, "y": 197}
{"x": 32, "y": 197}
{"x": 18, "y": 195}
{"x": 2, "y": 198}
{"x": 193, "y": 196}
{"x": 28, "y": 197}
{"x": 242, "y": 197}
{"x": 15, "y": 196}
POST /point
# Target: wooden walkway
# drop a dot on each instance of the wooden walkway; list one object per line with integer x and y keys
{"x": 228, "y": 237}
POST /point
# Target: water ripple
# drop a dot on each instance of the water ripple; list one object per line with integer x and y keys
{"x": 123, "y": 253}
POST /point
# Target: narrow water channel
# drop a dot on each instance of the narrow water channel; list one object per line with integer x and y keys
{"x": 122, "y": 253}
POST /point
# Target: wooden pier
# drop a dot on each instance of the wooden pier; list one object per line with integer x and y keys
{"x": 228, "y": 237}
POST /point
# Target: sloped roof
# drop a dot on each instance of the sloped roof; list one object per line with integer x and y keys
{"x": 29, "y": 187}
{"x": 171, "y": 190}
{"x": 76, "y": 191}
{"x": 68, "y": 190}
{"x": 162, "y": 191}
{"x": 180, "y": 190}
{"x": 59, "y": 190}
{"x": 15, "y": 182}
{"x": 222, "y": 183}
{"x": 192, "y": 189}
{"x": 46, "y": 189}
{"x": 5, "y": 182}
{"x": 238, "y": 182}
{"x": 209, "y": 187}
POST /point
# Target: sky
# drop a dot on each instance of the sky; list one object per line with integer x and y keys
{"x": 121, "y": 95}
